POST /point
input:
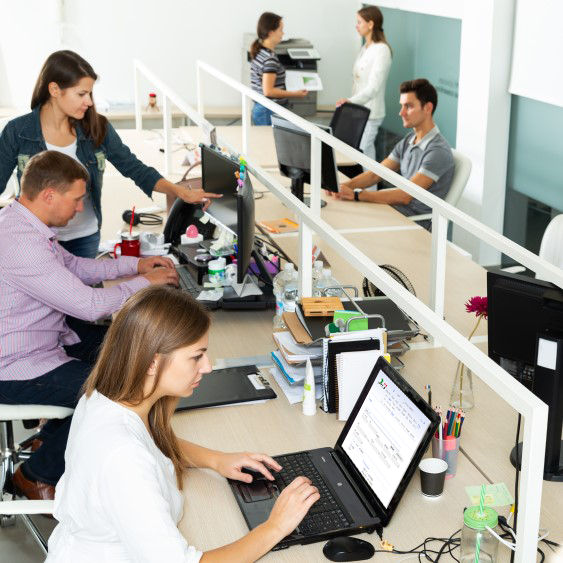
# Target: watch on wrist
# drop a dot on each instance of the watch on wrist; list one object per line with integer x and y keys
{"x": 357, "y": 192}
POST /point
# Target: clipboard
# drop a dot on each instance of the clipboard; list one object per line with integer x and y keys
{"x": 228, "y": 386}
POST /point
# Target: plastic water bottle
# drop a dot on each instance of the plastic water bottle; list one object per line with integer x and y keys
{"x": 317, "y": 270}
{"x": 280, "y": 280}
{"x": 326, "y": 281}
{"x": 291, "y": 294}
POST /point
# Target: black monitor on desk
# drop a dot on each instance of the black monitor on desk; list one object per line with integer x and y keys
{"x": 293, "y": 148}
{"x": 525, "y": 321}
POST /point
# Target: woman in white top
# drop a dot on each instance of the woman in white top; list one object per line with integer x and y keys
{"x": 370, "y": 74}
{"x": 120, "y": 496}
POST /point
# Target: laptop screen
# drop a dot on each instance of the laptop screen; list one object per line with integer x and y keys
{"x": 386, "y": 431}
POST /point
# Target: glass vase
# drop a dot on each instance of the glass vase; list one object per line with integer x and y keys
{"x": 462, "y": 391}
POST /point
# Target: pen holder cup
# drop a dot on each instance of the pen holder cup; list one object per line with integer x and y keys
{"x": 448, "y": 450}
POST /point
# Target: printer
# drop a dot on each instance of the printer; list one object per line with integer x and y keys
{"x": 294, "y": 54}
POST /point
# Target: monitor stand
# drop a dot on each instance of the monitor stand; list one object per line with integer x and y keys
{"x": 297, "y": 185}
{"x": 553, "y": 474}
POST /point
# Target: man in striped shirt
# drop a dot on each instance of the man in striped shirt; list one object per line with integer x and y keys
{"x": 45, "y": 355}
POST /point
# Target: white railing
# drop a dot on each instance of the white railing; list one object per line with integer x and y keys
{"x": 533, "y": 410}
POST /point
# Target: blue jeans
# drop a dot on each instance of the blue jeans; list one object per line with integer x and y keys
{"x": 85, "y": 247}
{"x": 261, "y": 115}
{"x": 61, "y": 387}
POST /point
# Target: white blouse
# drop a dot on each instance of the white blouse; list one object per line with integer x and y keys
{"x": 118, "y": 500}
{"x": 370, "y": 75}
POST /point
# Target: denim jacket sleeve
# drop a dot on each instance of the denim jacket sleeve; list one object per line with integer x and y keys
{"x": 128, "y": 164}
{"x": 8, "y": 154}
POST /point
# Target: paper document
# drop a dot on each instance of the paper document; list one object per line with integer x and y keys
{"x": 353, "y": 370}
{"x": 294, "y": 373}
{"x": 301, "y": 80}
{"x": 294, "y": 394}
{"x": 293, "y": 351}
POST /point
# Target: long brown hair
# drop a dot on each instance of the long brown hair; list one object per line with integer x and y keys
{"x": 66, "y": 68}
{"x": 156, "y": 320}
{"x": 267, "y": 22}
{"x": 373, "y": 14}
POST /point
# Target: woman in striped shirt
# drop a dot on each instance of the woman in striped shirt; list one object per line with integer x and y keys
{"x": 267, "y": 74}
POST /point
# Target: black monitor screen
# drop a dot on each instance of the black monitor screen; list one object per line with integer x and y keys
{"x": 245, "y": 228}
{"x": 520, "y": 308}
{"x": 218, "y": 176}
{"x": 293, "y": 148}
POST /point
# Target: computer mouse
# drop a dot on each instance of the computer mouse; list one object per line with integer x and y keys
{"x": 346, "y": 548}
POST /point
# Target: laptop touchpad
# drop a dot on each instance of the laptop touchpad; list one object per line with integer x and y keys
{"x": 255, "y": 491}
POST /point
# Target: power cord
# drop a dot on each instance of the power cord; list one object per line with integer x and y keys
{"x": 517, "y": 451}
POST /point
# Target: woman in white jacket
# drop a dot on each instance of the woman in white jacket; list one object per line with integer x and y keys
{"x": 370, "y": 74}
{"x": 120, "y": 500}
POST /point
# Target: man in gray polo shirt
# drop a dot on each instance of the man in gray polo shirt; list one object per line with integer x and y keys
{"x": 424, "y": 156}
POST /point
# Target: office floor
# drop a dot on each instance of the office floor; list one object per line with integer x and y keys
{"x": 16, "y": 542}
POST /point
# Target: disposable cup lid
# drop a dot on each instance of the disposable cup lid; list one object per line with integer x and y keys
{"x": 474, "y": 518}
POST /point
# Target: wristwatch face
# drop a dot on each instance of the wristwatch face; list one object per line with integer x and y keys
{"x": 356, "y": 195}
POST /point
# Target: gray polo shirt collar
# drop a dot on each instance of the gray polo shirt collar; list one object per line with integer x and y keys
{"x": 423, "y": 143}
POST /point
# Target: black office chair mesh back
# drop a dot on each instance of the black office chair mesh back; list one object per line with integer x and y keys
{"x": 348, "y": 123}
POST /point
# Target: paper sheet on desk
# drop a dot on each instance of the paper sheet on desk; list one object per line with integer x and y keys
{"x": 298, "y": 353}
{"x": 294, "y": 394}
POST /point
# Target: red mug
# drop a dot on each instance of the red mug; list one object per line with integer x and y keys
{"x": 130, "y": 245}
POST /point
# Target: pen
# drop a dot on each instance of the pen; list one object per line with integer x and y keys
{"x": 429, "y": 394}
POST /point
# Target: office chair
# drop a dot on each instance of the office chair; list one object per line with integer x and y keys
{"x": 459, "y": 181}
{"x": 551, "y": 248}
{"x": 348, "y": 124}
{"x": 11, "y": 453}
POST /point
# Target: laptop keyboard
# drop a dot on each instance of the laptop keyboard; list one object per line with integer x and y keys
{"x": 187, "y": 281}
{"x": 327, "y": 514}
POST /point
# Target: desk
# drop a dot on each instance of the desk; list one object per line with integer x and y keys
{"x": 213, "y": 519}
{"x": 276, "y": 427}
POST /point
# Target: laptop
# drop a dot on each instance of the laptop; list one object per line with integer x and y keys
{"x": 361, "y": 479}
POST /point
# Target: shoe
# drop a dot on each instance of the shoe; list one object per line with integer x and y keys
{"x": 33, "y": 490}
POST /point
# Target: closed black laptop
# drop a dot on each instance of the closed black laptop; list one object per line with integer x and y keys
{"x": 361, "y": 479}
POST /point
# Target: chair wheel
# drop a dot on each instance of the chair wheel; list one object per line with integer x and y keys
{"x": 7, "y": 520}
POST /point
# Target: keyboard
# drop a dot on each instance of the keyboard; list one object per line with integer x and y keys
{"x": 187, "y": 281}
{"x": 327, "y": 514}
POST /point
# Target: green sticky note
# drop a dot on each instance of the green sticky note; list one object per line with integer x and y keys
{"x": 495, "y": 495}
{"x": 359, "y": 324}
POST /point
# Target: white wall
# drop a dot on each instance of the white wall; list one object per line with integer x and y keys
{"x": 168, "y": 36}
{"x": 28, "y": 31}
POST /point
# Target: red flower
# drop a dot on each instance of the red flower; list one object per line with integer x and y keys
{"x": 477, "y": 305}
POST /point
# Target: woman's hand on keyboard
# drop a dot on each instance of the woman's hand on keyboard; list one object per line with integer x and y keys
{"x": 230, "y": 465}
{"x": 292, "y": 505}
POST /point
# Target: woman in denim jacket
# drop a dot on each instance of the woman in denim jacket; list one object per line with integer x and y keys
{"x": 64, "y": 118}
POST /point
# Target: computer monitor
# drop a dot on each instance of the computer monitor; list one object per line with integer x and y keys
{"x": 293, "y": 148}
{"x": 218, "y": 177}
{"x": 235, "y": 210}
{"x": 523, "y": 315}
